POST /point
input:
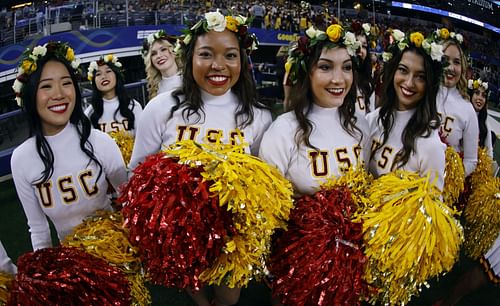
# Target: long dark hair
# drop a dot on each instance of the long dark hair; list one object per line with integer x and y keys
{"x": 77, "y": 118}
{"x": 244, "y": 89}
{"x": 364, "y": 79}
{"x": 301, "y": 101}
{"x": 125, "y": 107}
{"x": 482, "y": 115}
{"x": 425, "y": 118}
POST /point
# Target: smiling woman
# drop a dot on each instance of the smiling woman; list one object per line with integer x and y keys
{"x": 216, "y": 103}
{"x": 62, "y": 171}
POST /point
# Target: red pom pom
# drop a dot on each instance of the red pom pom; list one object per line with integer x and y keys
{"x": 319, "y": 260}
{"x": 177, "y": 225}
{"x": 67, "y": 276}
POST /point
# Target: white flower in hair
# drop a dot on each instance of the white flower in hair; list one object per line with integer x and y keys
{"x": 17, "y": 86}
{"x": 215, "y": 21}
{"x": 386, "y": 56}
{"x": 485, "y": 85}
{"x": 76, "y": 63}
{"x": 187, "y": 39}
{"x": 366, "y": 28}
{"x": 151, "y": 39}
{"x": 39, "y": 51}
{"x": 93, "y": 65}
{"x": 20, "y": 71}
{"x": 19, "y": 101}
{"x": 311, "y": 32}
{"x": 426, "y": 45}
{"x": 470, "y": 84}
{"x": 351, "y": 43}
{"x": 118, "y": 64}
{"x": 460, "y": 38}
{"x": 436, "y": 52}
{"x": 398, "y": 35}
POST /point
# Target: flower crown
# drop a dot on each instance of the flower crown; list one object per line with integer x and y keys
{"x": 475, "y": 84}
{"x": 159, "y": 35}
{"x": 31, "y": 58}
{"x": 444, "y": 34}
{"x": 109, "y": 59}
{"x": 401, "y": 41}
{"x": 215, "y": 21}
{"x": 335, "y": 35}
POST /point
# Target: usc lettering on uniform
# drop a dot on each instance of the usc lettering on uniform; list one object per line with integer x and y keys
{"x": 387, "y": 155}
{"x": 190, "y": 132}
{"x": 446, "y": 124}
{"x": 114, "y": 126}
{"x": 66, "y": 186}
{"x": 319, "y": 160}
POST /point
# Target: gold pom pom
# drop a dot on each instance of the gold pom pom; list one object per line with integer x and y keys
{"x": 484, "y": 168}
{"x": 5, "y": 286}
{"x": 410, "y": 235}
{"x": 258, "y": 196}
{"x": 482, "y": 218}
{"x": 454, "y": 177}
{"x": 357, "y": 180}
{"x": 125, "y": 142}
{"x": 104, "y": 236}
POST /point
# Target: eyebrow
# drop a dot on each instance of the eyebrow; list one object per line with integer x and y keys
{"x": 211, "y": 48}
{"x": 329, "y": 60}
{"x": 50, "y": 79}
{"x": 418, "y": 71}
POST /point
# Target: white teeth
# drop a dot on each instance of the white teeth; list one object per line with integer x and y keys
{"x": 406, "y": 92}
{"x": 335, "y": 90}
{"x": 218, "y": 78}
{"x": 58, "y": 108}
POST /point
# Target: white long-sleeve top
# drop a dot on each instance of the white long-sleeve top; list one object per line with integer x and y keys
{"x": 109, "y": 122}
{"x": 428, "y": 157}
{"x": 306, "y": 167}
{"x": 6, "y": 264}
{"x": 72, "y": 192}
{"x": 156, "y": 129}
{"x": 360, "y": 104}
{"x": 169, "y": 83}
{"x": 459, "y": 125}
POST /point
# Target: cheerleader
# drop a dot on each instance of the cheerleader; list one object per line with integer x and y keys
{"x": 459, "y": 127}
{"x": 217, "y": 102}
{"x": 404, "y": 129}
{"x": 162, "y": 70}
{"x": 365, "y": 94}
{"x": 320, "y": 137}
{"x": 111, "y": 109}
{"x": 63, "y": 170}
{"x": 478, "y": 92}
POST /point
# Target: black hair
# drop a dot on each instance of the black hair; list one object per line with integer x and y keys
{"x": 301, "y": 100}
{"x": 482, "y": 116}
{"x": 364, "y": 79}
{"x": 125, "y": 106}
{"x": 77, "y": 118}
{"x": 244, "y": 88}
{"x": 425, "y": 118}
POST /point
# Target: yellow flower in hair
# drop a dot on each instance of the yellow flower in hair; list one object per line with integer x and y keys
{"x": 70, "y": 54}
{"x": 444, "y": 33}
{"x": 417, "y": 38}
{"x": 231, "y": 24}
{"x": 334, "y": 32}
{"x": 28, "y": 66}
{"x": 109, "y": 58}
{"x": 476, "y": 84}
